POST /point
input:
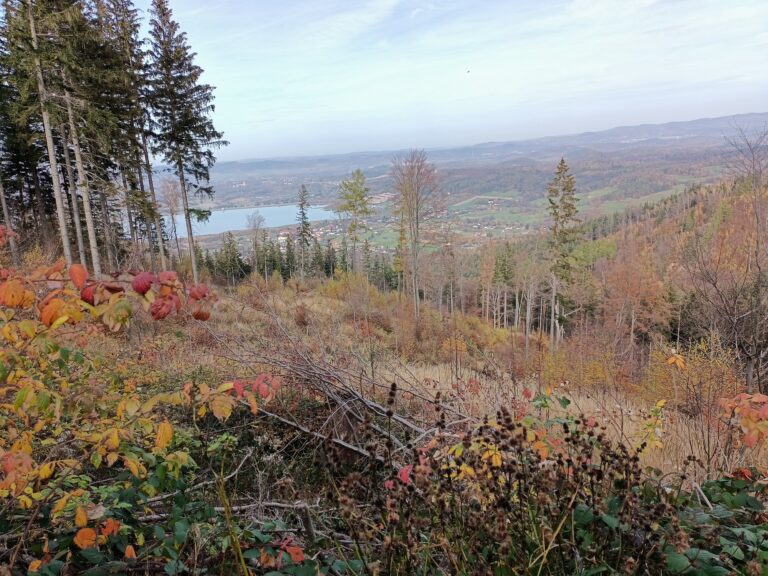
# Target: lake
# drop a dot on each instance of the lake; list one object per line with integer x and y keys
{"x": 237, "y": 219}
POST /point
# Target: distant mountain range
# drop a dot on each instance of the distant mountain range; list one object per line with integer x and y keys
{"x": 612, "y": 167}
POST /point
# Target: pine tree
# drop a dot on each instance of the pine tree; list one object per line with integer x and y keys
{"x": 330, "y": 259}
{"x": 183, "y": 133}
{"x": 566, "y": 227}
{"x": 355, "y": 206}
{"x": 38, "y": 48}
{"x": 289, "y": 260}
{"x": 565, "y": 232}
{"x": 304, "y": 233}
{"x": 344, "y": 256}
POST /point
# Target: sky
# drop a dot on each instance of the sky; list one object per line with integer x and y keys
{"x": 305, "y": 77}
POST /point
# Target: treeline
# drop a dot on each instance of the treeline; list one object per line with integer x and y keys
{"x": 86, "y": 104}
{"x": 279, "y": 259}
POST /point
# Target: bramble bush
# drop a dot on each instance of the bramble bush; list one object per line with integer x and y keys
{"x": 525, "y": 495}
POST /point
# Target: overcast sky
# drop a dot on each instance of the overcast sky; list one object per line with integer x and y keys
{"x": 302, "y": 77}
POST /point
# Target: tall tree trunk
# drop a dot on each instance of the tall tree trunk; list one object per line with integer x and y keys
{"x": 60, "y": 213}
{"x": 7, "y": 220}
{"x": 85, "y": 191}
{"x": 73, "y": 195}
{"x": 107, "y": 224}
{"x": 158, "y": 219}
{"x": 188, "y": 220}
{"x": 553, "y": 314}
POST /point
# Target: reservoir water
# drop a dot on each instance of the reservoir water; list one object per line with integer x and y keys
{"x": 237, "y": 219}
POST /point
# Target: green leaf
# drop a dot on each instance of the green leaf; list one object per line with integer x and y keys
{"x": 93, "y": 555}
{"x": 610, "y": 521}
{"x": 180, "y": 531}
{"x": 583, "y": 515}
{"x": 678, "y": 563}
{"x": 114, "y": 567}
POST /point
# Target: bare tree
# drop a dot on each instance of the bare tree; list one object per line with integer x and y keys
{"x": 727, "y": 265}
{"x": 9, "y": 228}
{"x": 415, "y": 181}
{"x": 172, "y": 197}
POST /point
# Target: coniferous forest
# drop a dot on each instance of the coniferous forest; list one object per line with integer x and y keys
{"x": 587, "y": 397}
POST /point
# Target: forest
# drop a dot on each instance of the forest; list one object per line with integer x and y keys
{"x": 589, "y": 397}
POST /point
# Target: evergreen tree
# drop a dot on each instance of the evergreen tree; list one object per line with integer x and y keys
{"x": 304, "y": 233}
{"x": 289, "y": 260}
{"x": 229, "y": 262}
{"x": 318, "y": 258}
{"x": 566, "y": 227}
{"x": 330, "y": 259}
{"x": 183, "y": 133}
{"x": 565, "y": 232}
{"x": 344, "y": 256}
{"x": 355, "y": 205}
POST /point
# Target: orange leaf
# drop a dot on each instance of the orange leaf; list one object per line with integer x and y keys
{"x": 85, "y": 538}
{"x": 267, "y": 560}
{"x": 81, "y": 518}
{"x": 52, "y": 311}
{"x": 130, "y": 552}
{"x": 751, "y": 438}
{"x": 11, "y": 293}
{"x": 110, "y": 527}
{"x": 79, "y": 275}
{"x": 35, "y": 566}
{"x": 296, "y": 554}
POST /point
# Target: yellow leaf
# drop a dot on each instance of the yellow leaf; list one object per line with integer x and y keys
{"x": 496, "y": 460}
{"x": 132, "y": 406}
{"x": 221, "y": 406}
{"x": 81, "y": 518}
{"x": 136, "y": 467}
{"x": 530, "y": 436}
{"x": 46, "y": 471}
{"x": 164, "y": 436}
{"x": 225, "y": 387}
{"x": 111, "y": 459}
{"x": 61, "y": 503}
{"x": 25, "y": 502}
{"x": 113, "y": 440}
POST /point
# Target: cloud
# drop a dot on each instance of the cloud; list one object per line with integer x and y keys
{"x": 353, "y": 75}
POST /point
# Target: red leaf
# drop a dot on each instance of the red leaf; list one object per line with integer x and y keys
{"x": 404, "y": 474}
{"x": 142, "y": 282}
{"x": 161, "y": 308}
{"x": 199, "y": 292}
{"x": 200, "y": 313}
{"x": 88, "y": 294}
{"x": 79, "y": 275}
{"x": 168, "y": 277}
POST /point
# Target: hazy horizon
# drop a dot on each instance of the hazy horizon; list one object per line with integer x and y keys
{"x": 308, "y": 78}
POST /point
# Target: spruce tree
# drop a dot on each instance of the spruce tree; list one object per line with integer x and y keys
{"x": 355, "y": 206}
{"x": 565, "y": 231}
{"x": 304, "y": 233}
{"x": 183, "y": 132}
{"x": 289, "y": 261}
